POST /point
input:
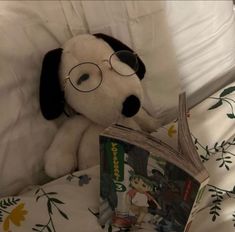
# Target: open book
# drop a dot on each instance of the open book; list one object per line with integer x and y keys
{"x": 146, "y": 185}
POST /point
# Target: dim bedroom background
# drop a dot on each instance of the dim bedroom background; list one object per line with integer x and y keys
{"x": 186, "y": 46}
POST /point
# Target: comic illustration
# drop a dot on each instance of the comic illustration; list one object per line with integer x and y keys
{"x": 140, "y": 191}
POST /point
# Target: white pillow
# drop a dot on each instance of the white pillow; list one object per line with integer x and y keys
{"x": 28, "y": 31}
{"x": 203, "y": 34}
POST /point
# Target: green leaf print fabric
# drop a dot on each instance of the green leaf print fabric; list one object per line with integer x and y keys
{"x": 71, "y": 203}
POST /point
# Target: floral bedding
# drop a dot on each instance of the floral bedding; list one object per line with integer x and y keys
{"x": 71, "y": 202}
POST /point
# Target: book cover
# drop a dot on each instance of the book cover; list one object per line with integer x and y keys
{"x": 141, "y": 191}
{"x": 147, "y": 184}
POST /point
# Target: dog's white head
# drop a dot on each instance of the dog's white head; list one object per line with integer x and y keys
{"x": 96, "y": 75}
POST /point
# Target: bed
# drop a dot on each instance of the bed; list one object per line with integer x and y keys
{"x": 190, "y": 47}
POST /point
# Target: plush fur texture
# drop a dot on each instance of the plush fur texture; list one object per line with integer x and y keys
{"x": 117, "y": 99}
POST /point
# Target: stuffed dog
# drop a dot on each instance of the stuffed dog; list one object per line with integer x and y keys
{"x": 96, "y": 81}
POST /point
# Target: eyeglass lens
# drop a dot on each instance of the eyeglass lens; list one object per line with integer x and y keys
{"x": 124, "y": 58}
{"x": 85, "y": 77}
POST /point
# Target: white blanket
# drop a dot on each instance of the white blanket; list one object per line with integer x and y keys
{"x": 71, "y": 203}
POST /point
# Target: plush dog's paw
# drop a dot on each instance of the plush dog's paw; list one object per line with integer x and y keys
{"x": 59, "y": 164}
{"x": 151, "y": 125}
{"x": 147, "y": 122}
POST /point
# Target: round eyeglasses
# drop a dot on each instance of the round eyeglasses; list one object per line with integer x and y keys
{"x": 87, "y": 76}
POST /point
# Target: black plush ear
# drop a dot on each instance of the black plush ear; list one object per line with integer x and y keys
{"x": 117, "y": 45}
{"x": 51, "y": 96}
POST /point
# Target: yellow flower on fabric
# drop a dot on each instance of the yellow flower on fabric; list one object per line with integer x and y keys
{"x": 172, "y": 131}
{"x": 16, "y": 217}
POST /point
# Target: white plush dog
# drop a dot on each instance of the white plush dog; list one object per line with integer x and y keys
{"x": 96, "y": 80}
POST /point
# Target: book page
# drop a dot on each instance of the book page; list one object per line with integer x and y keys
{"x": 152, "y": 144}
{"x": 186, "y": 144}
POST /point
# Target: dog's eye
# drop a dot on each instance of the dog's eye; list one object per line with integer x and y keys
{"x": 83, "y": 78}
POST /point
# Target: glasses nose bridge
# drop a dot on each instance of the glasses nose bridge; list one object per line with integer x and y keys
{"x": 104, "y": 61}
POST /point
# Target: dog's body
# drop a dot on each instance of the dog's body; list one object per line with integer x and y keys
{"x": 117, "y": 98}
{"x": 76, "y": 145}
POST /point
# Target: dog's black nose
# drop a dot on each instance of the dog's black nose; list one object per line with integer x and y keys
{"x": 131, "y": 106}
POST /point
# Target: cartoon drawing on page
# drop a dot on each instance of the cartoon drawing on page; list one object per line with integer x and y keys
{"x": 139, "y": 196}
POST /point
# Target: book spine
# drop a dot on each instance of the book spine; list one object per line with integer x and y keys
{"x": 113, "y": 169}
{"x": 196, "y": 204}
